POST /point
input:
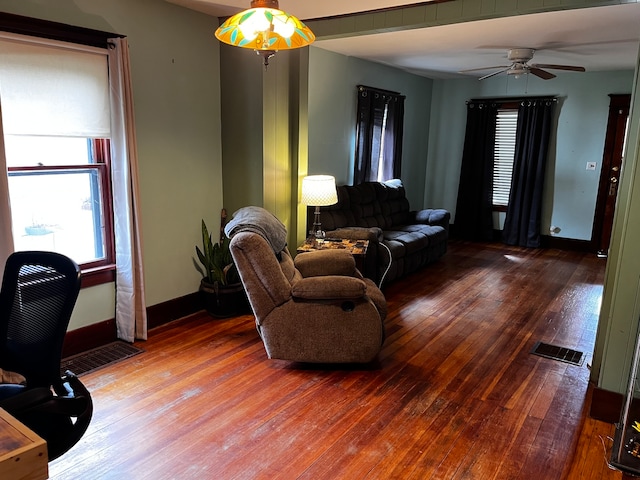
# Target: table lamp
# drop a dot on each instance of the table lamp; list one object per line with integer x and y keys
{"x": 318, "y": 191}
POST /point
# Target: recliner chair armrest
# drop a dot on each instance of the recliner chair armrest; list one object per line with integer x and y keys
{"x": 432, "y": 216}
{"x": 330, "y": 287}
{"x": 373, "y": 234}
{"x": 325, "y": 262}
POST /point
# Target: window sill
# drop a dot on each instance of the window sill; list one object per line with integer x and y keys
{"x": 98, "y": 275}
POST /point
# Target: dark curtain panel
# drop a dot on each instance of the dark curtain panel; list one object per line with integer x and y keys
{"x": 474, "y": 218}
{"x": 378, "y": 133}
{"x": 522, "y": 223}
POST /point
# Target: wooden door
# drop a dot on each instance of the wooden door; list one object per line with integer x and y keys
{"x": 610, "y": 172}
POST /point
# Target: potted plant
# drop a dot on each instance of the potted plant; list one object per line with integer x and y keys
{"x": 222, "y": 291}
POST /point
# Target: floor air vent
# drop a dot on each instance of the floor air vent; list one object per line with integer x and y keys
{"x": 554, "y": 352}
{"x": 97, "y": 358}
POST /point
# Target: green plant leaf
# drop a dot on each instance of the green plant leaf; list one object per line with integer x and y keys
{"x": 216, "y": 259}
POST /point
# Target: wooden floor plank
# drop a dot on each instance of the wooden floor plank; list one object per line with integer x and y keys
{"x": 454, "y": 394}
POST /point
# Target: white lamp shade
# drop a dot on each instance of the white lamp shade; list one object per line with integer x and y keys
{"x": 319, "y": 190}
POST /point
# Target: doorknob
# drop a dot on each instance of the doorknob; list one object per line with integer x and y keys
{"x": 613, "y": 180}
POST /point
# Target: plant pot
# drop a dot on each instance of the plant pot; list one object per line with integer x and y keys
{"x": 223, "y": 301}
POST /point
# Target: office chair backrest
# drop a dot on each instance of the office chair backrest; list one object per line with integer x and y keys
{"x": 39, "y": 291}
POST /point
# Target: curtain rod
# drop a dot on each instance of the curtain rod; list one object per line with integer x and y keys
{"x": 379, "y": 90}
{"x": 513, "y": 99}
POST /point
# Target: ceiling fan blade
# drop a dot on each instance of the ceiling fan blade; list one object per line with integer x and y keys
{"x": 483, "y": 68}
{"x": 541, "y": 73}
{"x": 559, "y": 67}
{"x": 495, "y": 73}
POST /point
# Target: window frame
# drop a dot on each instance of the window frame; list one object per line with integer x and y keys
{"x": 95, "y": 273}
{"x": 504, "y": 106}
{"x": 373, "y": 130}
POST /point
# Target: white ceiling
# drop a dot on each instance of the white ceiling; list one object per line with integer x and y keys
{"x": 597, "y": 38}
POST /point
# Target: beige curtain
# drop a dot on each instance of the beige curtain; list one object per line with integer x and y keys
{"x": 6, "y": 235}
{"x": 131, "y": 316}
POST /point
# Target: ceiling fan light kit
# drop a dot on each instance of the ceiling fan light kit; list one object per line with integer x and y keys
{"x": 520, "y": 58}
{"x": 517, "y": 70}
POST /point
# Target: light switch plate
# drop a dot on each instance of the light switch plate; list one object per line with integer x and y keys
{"x": 591, "y": 165}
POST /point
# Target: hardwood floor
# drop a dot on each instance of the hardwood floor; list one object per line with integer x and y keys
{"x": 455, "y": 393}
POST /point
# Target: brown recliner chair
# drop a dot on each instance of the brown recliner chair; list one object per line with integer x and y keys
{"x": 316, "y": 309}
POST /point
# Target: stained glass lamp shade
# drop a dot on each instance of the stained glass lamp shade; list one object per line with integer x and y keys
{"x": 266, "y": 29}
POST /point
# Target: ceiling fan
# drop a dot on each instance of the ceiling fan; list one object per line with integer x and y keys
{"x": 519, "y": 58}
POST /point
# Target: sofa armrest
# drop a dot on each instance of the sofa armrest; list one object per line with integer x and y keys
{"x": 325, "y": 262}
{"x": 373, "y": 234}
{"x": 330, "y": 287}
{"x": 432, "y": 216}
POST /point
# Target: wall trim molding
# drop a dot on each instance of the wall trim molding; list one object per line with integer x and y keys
{"x": 546, "y": 241}
{"x": 174, "y": 309}
{"x": 91, "y": 336}
{"x": 102, "y": 333}
{"x": 605, "y": 405}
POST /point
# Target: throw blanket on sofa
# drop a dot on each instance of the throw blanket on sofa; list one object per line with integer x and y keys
{"x": 260, "y": 221}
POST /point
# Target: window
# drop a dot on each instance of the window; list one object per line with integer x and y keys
{"x": 381, "y": 161}
{"x": 493, "y": 179}
{"x": 379, "y": 130}
{"x": 504, "y": 153}
{"x": 56, "y": 129}
{"x": 60, "y": 189}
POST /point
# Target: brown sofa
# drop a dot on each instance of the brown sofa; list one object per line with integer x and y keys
{"x": 380, "y": 212}
{"x": 318, "y": 309}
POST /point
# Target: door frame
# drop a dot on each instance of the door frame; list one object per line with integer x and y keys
{"x": 611, "y": 159}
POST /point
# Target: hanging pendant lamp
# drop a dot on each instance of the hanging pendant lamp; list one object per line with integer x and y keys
{"x": 266, "y": 29}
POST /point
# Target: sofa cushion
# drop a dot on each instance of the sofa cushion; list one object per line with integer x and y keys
{"x": 411, "y": 240}
{"x": 436, "y": 233}
{"x": 397, "y": 248}
{"x": 394, "y": 203}
{"x": 366, "y": 206}
{"x": 432, "y": 216}
{"x": 335, "y": 216}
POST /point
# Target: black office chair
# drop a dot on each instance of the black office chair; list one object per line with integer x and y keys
{"x": 39, "y": 291}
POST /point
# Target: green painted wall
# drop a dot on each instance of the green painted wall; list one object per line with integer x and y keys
{"x": 176, "y": 75}
{"x": 333, "y": 79}
{"x": 435, "y": 120}
{"x": 620, "y": 311}
{"x": 242, "y": 128}
{"x": 582, "y": 111}
{"x": 264, "y": 133}
{"x": 331, "y": 115}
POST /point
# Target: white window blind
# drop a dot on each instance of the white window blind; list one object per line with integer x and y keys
{"x": 504, "y": 153}
{"x": 53, "y": 90}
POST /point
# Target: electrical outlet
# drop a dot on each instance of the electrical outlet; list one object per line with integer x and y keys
{"x": 591, "y": 165}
